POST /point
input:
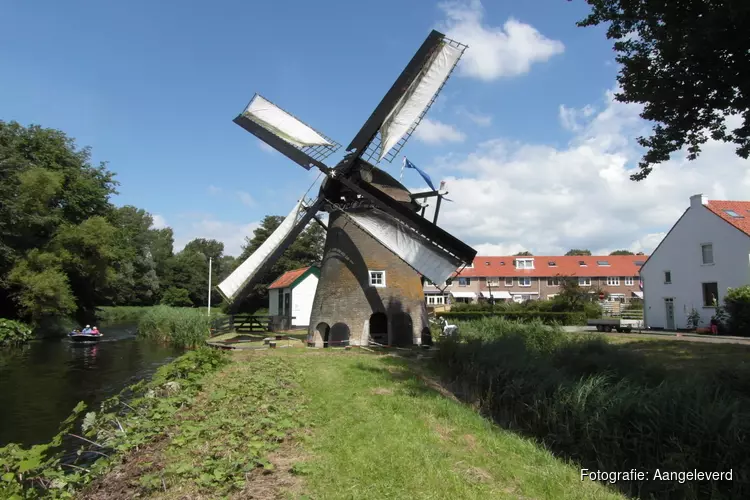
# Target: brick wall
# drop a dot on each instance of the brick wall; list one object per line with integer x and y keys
{"x": 344, "y": 299}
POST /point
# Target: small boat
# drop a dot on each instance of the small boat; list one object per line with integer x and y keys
{"x": 77, "y": 336}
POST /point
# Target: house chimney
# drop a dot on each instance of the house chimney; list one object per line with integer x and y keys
{"x": 697, "y": 200}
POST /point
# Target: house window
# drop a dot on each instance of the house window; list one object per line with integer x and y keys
{"x": 710, "y": 294}
{"x": 493, "y": 282}
{"x": 667, "y": 277}
{"x": 628, "y": 281}
{"x": 377, "y": 278}
{"x": 435, "y": 300}
{"x": 524, "y": 281}
{"x": 508, "y": 281}
{"x": 582, "y": 263}
{"x": 584, "y": 281}
{"x": 552, "y": 263}
{"x": 553, "y": 282}
{"x": 464, "y": 281}
{"x": 524, "y": 263}
{"x": 707, "y": 252}
{"x": 613, "y": 281}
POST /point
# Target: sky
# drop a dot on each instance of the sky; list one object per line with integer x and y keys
{"x": 535, "y": 152}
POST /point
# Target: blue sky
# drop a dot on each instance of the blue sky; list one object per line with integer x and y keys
{"x": 153, "y": 87}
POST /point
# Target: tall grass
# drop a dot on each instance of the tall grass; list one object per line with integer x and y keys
{"x": 605, "y": 407}
{"x": 178, "y": 326}
{"x": 121, "y": 314}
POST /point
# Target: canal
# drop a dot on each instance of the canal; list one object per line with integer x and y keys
{"x": 41, "y": 382}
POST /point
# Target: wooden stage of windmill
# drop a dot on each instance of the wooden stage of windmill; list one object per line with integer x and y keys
{"x": 378, "y": 244}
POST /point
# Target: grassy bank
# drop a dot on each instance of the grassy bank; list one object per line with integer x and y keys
{"x": 608, "y": 406}
{"x": 179, "y": 326}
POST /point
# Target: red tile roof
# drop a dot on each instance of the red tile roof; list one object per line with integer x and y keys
{"x": 619, "y": 265}
{"x": 288, "y": 278}
{"x": 741, "y": 208}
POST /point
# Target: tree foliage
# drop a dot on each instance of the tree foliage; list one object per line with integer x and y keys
{"x": 577, "y": 251}
{"x": 525, "y": 253}
{"x": 622, "y": 252}
{"x": 687, "y": 63}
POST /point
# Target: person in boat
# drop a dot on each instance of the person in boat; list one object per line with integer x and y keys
{"x": 87, "y": 330}
{"x": 95, "y": 331}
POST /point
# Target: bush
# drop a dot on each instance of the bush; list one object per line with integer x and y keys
{"x": 737, "y": 305}
{"x": 14, "y": 332}
{"x": 176, "y": 297}
{"x": 182, "y": 327}
{"x": 605, "y": 407}
{"x": 121, "y": 314}
{"x": 561, "y": 318}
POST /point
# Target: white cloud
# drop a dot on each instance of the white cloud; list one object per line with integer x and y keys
{"x": 511, "y": 196}
{"x": 495, "y": 52}
{"x": 478, "y": 118}
{"x": 246, "y": 198}
{"x": 213, "y": 190}
{"x": 158, "y": 222}
{"x": 207, "y": 226}
{"x": 571, "y": 118}
{"x": 433, "y": 132}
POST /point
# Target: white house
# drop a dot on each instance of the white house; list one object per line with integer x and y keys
{"x": 292, "y": 294}
{"x": 705, "y": 252}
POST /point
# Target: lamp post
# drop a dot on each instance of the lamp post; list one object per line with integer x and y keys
{"x": 209, "y": 287}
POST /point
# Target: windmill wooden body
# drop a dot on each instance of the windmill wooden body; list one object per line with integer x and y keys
{"x": 378, "y": 245}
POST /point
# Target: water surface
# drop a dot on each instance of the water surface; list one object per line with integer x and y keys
{"x": 41, "y": 382}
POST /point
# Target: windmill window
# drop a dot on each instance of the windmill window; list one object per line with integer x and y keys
{"x": 707, "y": 253}
{"x": 377, "y": 278}
{"x": 667, "y": 277}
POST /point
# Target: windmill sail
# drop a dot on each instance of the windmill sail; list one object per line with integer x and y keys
{"x": 283, "y": 124}
{"x": 418, "y": 96}
{"x": 422, "y": 255}
{"x": 271, "y": 249}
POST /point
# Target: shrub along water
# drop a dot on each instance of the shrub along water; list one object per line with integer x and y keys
{"x": 605, "y": 407}
{"x": 13, "y": 332}
{"x": 121, "y": 314}
{"x": 182, "y": 327}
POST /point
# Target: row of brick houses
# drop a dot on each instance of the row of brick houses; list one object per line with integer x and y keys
{"x": 520, "y": 278}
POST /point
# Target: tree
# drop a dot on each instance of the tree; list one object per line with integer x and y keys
{"x": 576, "y": 251}
{"x": 176, "y": 297}
{"x": 621, "y": 252}
{"x": 687, "y": 63}
{"x": 525, "y": 253}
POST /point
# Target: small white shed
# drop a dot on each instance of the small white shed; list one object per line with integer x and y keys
{"x": 292, "y": 294}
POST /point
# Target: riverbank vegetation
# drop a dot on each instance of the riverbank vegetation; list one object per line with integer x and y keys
{"x": 609, "y": 406}
{"x": 13, "y": 333}
{"x": 178, "y": 326}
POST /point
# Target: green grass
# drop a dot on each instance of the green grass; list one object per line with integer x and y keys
{"x": 614, "y": 406}
{"x": 380, "y": 431}
{"x": 182, "y": 327}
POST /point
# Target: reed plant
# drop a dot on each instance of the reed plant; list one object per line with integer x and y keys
{"x": 605, "y": 407}
{"x": 121, "y": 314}
{"x": 178, "y": 326}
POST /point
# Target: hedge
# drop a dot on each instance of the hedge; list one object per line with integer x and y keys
{"x": 561, "y": 318}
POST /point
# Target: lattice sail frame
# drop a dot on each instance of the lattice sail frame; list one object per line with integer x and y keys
{"x": 373, "y": 151}
{"x": 317, "y": 152}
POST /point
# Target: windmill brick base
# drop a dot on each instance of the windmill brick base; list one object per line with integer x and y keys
{"x": 347, "y": 310}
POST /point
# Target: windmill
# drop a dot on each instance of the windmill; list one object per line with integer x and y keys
{"x": 378, "y": 246}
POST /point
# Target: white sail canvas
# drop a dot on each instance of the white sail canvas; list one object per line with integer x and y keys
{"x": 418, "y": 97}
{"x": 240, "y": 278}
{"x": 431, "y": 261}
{"x": 281, "y": 123}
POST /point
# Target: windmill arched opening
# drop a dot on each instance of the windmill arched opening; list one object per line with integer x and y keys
{"x": 403, "y": 331}
{"x": 324, "y": 331}
{"x": 339, "y": 335}
{"x": 379, "y": 328}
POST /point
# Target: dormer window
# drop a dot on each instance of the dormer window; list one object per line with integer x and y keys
{"x": 552, "y": 263}
{"x": 582, "y": 263}
{"x": 470, "y": 265}
{"x": 524, "y": 263}
{"x": 602, "y": 263}
{"x": 486, "y": 262}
